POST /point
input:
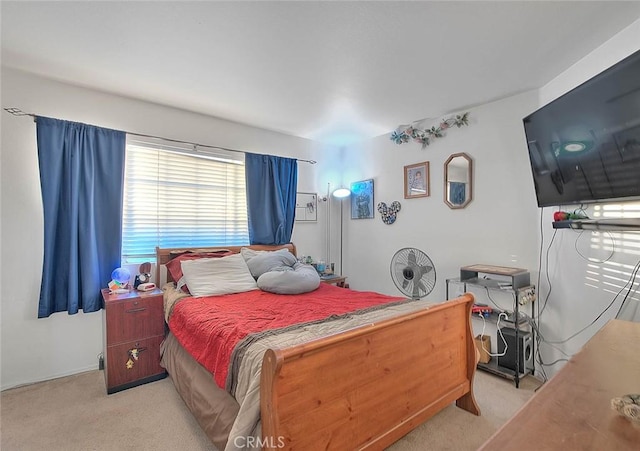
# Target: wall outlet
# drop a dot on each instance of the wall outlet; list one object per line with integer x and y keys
{"x": 526, "y": 295}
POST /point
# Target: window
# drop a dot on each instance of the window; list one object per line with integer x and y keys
{"x": 175, "y": 195}
{"x": 614, "y": 275}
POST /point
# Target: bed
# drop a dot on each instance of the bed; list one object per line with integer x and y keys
{"x": 356, "y": 381}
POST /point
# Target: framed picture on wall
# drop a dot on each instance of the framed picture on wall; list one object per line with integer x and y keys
{"x": 362, "y": 199}
{"x": 306, "y": 207}
{"x": 416, "y": 180}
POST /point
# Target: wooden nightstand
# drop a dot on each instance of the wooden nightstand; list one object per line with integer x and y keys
{"x": 335, "y": 279}
{"x": 133, "y": 326}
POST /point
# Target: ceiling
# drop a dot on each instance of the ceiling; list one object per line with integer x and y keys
{"x": 328, "y": 71}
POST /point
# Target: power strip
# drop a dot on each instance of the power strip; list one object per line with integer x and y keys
{"x": 526, "y": 295}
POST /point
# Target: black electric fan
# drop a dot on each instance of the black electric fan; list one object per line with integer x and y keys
{"x": 413, "y": 272}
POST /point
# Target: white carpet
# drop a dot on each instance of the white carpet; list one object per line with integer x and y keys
{"x": 75, "y": 414}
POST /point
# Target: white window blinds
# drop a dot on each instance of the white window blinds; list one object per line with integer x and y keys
{"x": 175, "y": 196}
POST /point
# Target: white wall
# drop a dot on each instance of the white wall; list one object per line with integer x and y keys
{"x": 582, "y": 289}
{"x": 499, "y": 226}
{"x": 38, "y": 349}
{"x": 502, "y": 224}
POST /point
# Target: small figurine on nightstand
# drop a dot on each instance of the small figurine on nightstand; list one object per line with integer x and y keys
{"x": 329, "y": 269}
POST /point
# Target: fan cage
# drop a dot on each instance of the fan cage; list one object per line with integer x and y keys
{"x": 405, "y": 264}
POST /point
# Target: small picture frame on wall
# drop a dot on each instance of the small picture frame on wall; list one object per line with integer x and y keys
{"x": 362, "y": 199}
{"x": 416, "y": 180}
{"x": 306, "y": 207}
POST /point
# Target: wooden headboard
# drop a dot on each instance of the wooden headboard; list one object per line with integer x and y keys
{"x": 164, "y": 255}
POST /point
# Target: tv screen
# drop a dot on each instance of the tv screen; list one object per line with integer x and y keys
{"x": 585, "y": 146}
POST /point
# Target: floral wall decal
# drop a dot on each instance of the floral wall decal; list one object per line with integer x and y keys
{"x": 404, "y": 133}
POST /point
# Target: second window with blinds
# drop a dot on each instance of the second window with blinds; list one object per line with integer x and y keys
{"x": 176, "y": 195}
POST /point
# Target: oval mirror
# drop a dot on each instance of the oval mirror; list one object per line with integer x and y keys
{"x": 458, "y": 180}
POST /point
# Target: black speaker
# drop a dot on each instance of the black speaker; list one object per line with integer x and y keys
{"x": 525, "y": 351}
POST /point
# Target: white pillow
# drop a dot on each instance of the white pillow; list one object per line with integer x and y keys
{"x": 217, "y": 276}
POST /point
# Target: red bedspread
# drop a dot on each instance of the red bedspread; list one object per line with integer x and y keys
{"x": 209, "y": 328}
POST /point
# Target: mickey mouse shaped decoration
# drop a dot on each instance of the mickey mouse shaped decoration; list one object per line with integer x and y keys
{"x": 389, "y": 214}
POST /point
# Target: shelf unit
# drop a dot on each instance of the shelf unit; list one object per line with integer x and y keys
{"x": 518, "y": 286}
{"x": 610, "y": 224}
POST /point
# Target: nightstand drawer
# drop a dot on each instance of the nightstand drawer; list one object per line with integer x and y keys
{"x": 147, "y": 364}
{"x": 134, "y": 319}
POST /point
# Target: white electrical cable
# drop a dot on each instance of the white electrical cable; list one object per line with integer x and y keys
{"x": 484, "y": 324}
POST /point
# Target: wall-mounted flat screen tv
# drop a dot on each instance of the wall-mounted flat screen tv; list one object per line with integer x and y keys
{"x": 585, "y": 146}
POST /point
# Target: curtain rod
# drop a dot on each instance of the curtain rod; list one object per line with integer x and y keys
{"x": 19, "y": 112}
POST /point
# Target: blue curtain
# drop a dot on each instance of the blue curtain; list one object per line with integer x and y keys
{"x": 81, "y": 178}
{"x": 271, "y": 197}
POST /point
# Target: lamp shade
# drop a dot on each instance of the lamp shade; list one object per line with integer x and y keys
{"x": 341, "y": 192}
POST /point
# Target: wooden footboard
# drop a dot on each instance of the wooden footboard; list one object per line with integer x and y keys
{"x": 366, "y": 388}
